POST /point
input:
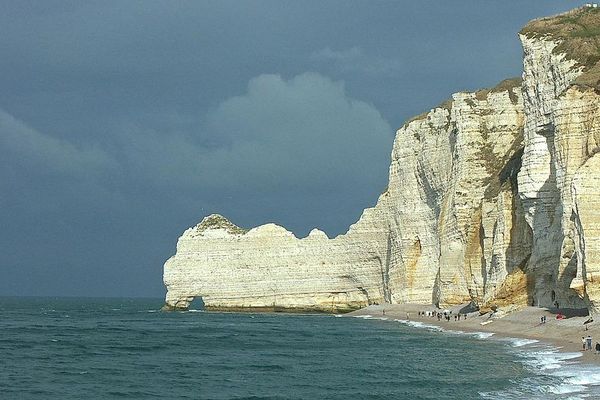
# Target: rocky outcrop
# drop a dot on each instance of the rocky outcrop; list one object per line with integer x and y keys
{"x": 492, "y": 198}
{"x": 424, "y": 241}
{"x": 268, "y": 268}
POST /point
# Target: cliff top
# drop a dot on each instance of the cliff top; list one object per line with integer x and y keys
{"x": 446, "y": 104}
{"x": 505, "y": 85}
{"x": 216, "y": 221}
{"x": 578, "y": 32}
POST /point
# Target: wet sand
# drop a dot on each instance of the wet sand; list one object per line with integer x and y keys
{"x": 563, "y": 333}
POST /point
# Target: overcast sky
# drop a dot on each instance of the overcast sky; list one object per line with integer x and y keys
{"x": 123, "y": 123}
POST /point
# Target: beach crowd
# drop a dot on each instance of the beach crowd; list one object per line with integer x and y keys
{"x": 447, "y": 315}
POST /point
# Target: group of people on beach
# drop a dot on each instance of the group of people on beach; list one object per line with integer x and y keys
{"x": 586, "y": 344}
{"x": 447, "y": 315}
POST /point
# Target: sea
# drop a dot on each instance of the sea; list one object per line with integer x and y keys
{"x": 81, "y": 348}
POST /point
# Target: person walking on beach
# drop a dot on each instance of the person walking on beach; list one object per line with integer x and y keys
{"x": 588, "y": 341}
{"x": 583, "y": 343}
{"x": 597, "y": 347}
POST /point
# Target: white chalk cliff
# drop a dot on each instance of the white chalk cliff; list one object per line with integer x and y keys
{"x": 493, "y": 197}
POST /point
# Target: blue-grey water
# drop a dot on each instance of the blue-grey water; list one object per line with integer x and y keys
{"x": 72, "y": 348}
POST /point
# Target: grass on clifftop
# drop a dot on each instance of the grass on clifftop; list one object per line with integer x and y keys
{"x": 216, "y": 221}
{"x": 579, "y": 33}
{"x": 506, "y": 85}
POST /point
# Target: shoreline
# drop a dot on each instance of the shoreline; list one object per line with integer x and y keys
{"x": 563, "y": 334}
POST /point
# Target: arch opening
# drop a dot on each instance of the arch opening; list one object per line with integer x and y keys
{"x": 197, "y": 304}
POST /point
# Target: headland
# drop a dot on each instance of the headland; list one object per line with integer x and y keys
{"x": 492, "y": 200}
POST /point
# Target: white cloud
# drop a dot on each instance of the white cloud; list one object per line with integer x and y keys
{"x": 305, "y": 132}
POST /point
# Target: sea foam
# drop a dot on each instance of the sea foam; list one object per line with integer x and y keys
{"x": 555, "y": 374}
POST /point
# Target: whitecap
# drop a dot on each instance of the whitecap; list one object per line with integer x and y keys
{"x": 453, "y": 332}
{"x": 518, "y": 342}
{"x": 548, "y": 359}
{"x": 565, "y": 389}
{"x": 567, "y": 377}
{"x": 482, "y": 335}
{"x": 555, "y": 375}
{"x": 371, "y": 317}
{"x": 421, "y": 325}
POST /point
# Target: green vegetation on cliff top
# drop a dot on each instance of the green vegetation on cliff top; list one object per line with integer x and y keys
{"x": 216, "y": 221}
{"x": 578, "y": 32}
{"x": 505, "y": 85}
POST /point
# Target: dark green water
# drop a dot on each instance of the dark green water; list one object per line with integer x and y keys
{"x": 125, "y": 348}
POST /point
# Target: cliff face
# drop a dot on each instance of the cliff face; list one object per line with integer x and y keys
{"x": 558, "y": 182}
{"x": 452, "y": 198}
{"x": 492, "y": 198}
{"x": 433, "y": 235}
{"x": 268, "y": 268}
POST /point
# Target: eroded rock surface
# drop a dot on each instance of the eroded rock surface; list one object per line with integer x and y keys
{"x": 492, "y": 198}
{"x": 424, "y": 241}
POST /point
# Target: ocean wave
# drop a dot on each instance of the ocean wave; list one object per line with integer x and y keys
{"x": 519, "y": 342}
{"x": 421, "y": 325}
{"x": 366, "y": 316}
{"x": 555, "y": 374}
{"x": 548, "y": 359}
{"x": 481, "y": 335}
{"x": 585, "y": 376}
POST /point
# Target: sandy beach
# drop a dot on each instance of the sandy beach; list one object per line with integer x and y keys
{"x": 565, "y": 334}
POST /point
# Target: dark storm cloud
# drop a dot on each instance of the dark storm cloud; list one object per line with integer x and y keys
{"x": 354, "y": 59}
{"x": 35, "y": 149}
{"x": 303, "y": 132}
{"x": 123, "y": 123}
